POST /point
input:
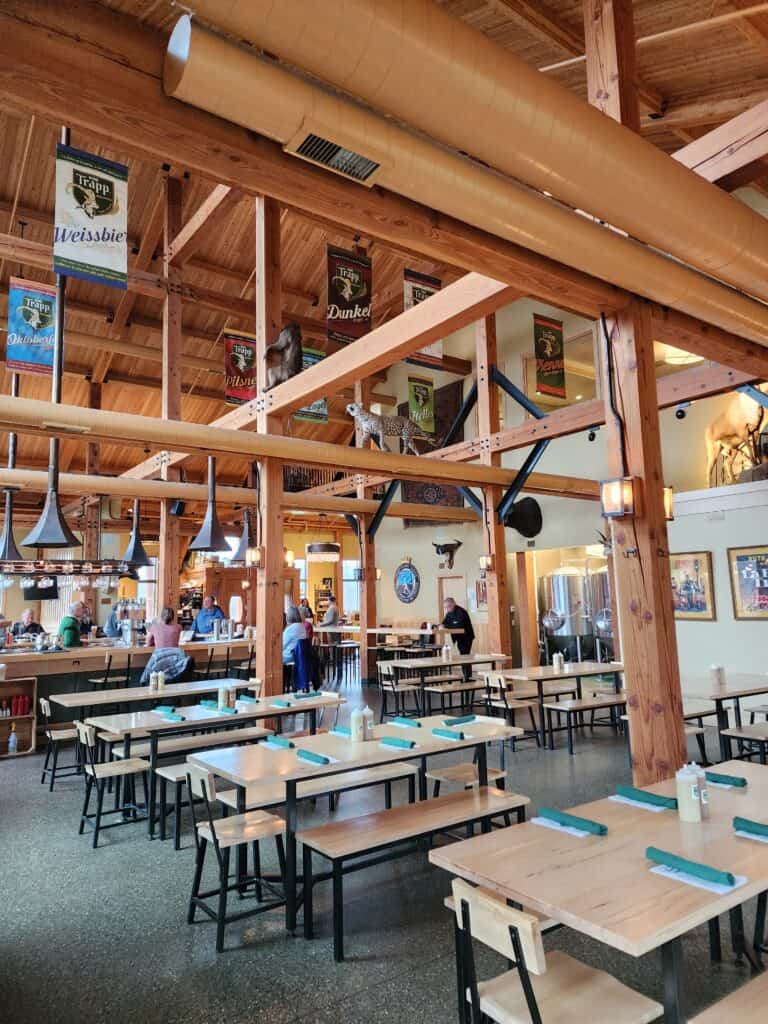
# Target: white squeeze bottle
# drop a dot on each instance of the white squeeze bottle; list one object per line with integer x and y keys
{"x": 161, "y": 681}
{"x": 688, "y": 797}
{"x": 356, "y": 725}
{"x": 445, "y": 651}
{"x": 703, "y": 792}
{"x": 221, "y": 698}
{"x": 367, "y": 723}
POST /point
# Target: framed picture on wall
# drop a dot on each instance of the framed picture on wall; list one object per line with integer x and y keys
{"x": 692, "y": 594}
{"x": 749, "y": 581}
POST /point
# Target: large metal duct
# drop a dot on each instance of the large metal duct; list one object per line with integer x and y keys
{"x": 207, "y": 71}
{"x": 413, "y": 60}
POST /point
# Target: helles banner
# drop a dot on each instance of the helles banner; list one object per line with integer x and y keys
{"x": 90, "y": 234}
{"x": 349, "y": 295}
{"x": 550, "y": 355}
{"x": 421, "y": 402}
{"x": 31, "y": 326}
{"x": 416, "y": 288}
{"x": 240, "y": 368}
{"x": 317, "y": 411}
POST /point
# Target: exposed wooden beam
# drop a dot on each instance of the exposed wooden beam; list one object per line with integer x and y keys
{"x": 711, "y": 108}
{"x": 730, "y": 147}
{"x": 86, "y": 485}
{"x": 369, "y": 506}
{"x": 609, "y": 34}
{"x": 214, "y": 208}
{"x": 713, "y": 343}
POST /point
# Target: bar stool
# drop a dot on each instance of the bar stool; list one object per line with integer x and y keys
{"x": 117, "y": 670}
{"x": 54, "y": 738}
{"x": 398, "y": 690}
{"x": 246, "y": 667}
{"x": 510, "y": 707}
{"x": 97, "y": 774}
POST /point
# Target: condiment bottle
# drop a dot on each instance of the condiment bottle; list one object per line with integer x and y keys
{"x": 161, "y": 680}
{"x": 688, "y": 796}
{"x": 367, "y": 723}
{"x": 356, "y": 726}
{"x": 221, "y": 697}
{"x": 703, "y": 792}
{"x": 153, "y": 680}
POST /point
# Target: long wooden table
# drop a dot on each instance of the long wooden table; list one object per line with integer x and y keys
{"x": 257, "y": 764}
{"x": 197, "y": 717}
{"x": 574, "y": 671}
{"x": 421, "y": 666}
{"x": 602, "y": 885}
{"x": 137, "y": 694}
{"x": 737, "y": 685}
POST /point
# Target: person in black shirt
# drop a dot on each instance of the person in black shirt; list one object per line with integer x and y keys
{"x": 27, "y": 626}
{"x": 456, "y": 617}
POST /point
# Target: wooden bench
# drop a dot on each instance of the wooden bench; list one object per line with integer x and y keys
{"x": 181, "y": 744}
{"x": 368, "y": 835}
{"x": 753, "y": 737}
{"x": 574, "y": 708}
{"x": 465, "y": 775}
{"x": 745, "y": 1006}
{"x": 449, "y": 689}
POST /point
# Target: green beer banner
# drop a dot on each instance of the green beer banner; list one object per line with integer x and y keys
{"x": 550, "y": 356}
{"x": 421, "y": 402}
{"x": 317, "y": 411}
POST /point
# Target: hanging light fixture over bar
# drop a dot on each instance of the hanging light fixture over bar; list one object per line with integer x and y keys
{"x": 135, "y": 554}
{"x": 323, "y": 551}
{"x": 8, "y": 549}
{"x": 211, "y": 536}
{"x": 247, "y": 540}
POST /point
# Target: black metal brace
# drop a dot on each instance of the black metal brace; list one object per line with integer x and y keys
{"x": 353, "y": 522}
{"x": 519, "y": 482}
{"x": 461, "y": 416}
{"x": 514, "y": 392}
{"x": 381, "y": 511}
{"x": 472, "y": 500}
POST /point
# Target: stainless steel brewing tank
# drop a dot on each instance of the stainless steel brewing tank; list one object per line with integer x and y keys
{"x": 600, "y": 602}
{"x": 565, "y": 593}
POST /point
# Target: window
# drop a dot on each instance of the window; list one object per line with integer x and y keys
{"x": 350, "y": 600}
{"x": 301, "y": 565}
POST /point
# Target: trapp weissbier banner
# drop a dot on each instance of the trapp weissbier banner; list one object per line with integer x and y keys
{"x": 550, "y": 355}
{"x": 31, "y": 326}
{"x": 349, "y": 295}
{"x": 90, "y": 234}
{"x": 416, "y": 288}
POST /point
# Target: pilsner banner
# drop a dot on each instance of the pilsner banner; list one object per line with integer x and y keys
{"x": 416, "y": 288}
{"x": 421, "y": 402}
{"x": 239, "y": 367}
{"x": 31, "y": 326}
{"x": 349, "y": 295}
{"x": 90, "y": 234}
{"x": 550, "y": 355}
{"x": 317, "y": 411}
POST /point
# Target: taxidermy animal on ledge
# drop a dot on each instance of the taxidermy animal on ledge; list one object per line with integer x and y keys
{"x": 373, "y": 425}
{"x": 288, "y": 345}
{"x": 449, "y": 550}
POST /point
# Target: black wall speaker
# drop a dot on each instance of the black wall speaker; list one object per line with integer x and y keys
{"x": 177, "y": 508}
{"x": 525, "y": 517}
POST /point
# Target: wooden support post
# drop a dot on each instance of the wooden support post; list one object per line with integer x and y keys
{"x": 499, "y": 628}
{"x": 641, "y": 554}
{"x": 92, "y": 451}
{"x": 269, "y": 577}
{"x": 526, "y": 608}
{"x": 609, "y": 34}
{"x": 368, "y": 611}
{"x": 169, "y": 562}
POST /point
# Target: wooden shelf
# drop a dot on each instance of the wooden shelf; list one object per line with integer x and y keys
{"x": 26, "y": 724}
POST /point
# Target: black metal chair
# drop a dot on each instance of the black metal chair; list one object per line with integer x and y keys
{"x": 54, "y": 739}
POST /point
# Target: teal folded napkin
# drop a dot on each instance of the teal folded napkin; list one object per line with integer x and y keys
{"x": 304, "y": 696}
{"x": 396, "y": 741}
{"x": 726, "y": 780}
{"x": 690, "y": 867}
{"x": 411, "y": 723}
{"x": 310, "y": 755}
{"x": 209, "y": 704}
{"x": 464, "y": 720}
{"x": 448, "y": 734}
{"x": 757, "y": 828}
{"x": 170, "y": 716}
{"x": 643, "y": 797}
{"x": 281, "y": 703}
{"x": 247, "y": 700}
{"x": 342, "y": 730}
{"x": 227, "y": 711}
{"x": 280, "y": 741}
{"x": 573, "y": 821}
{"x": 165, "y": 709}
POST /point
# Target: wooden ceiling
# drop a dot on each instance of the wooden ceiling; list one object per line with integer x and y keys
{"x": 691, "y": 81}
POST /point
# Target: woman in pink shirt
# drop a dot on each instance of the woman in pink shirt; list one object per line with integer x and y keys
{"x": 164, "y": 633}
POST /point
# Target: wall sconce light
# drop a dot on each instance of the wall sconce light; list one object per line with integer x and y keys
{"x": 254, "y": 557}
{"x": 245, "y": 584}
{"x": 378, "y": 574}
{"x": 617, "y": 497}
{"x": 486, "y": 563}
{"x": 669, "y": 504}
{"x": 289, "y": 558}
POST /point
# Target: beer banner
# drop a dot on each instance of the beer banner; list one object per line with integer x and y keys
{"x": 31, "y": 326}
{"x": 421, "y": 402}
{"x": 317, "y": 411}
{"x": 550, "y": 355}
{"x": 416, "y": 288}
{"x": 349, "y": 295}
{"x": 239, "y": 367}
{"x": 90, "y": 234}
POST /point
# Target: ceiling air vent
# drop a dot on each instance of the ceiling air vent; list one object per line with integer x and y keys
{"x": 336, "y": 158}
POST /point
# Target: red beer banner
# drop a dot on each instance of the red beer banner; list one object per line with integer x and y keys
{"x": 550, "y": 355}
{"x": 239, "y": 367}
{"x": 349, "y": 295}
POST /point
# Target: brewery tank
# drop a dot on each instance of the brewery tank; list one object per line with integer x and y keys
{"x": 600, "y": 602}
{"x": 565, "y": 602}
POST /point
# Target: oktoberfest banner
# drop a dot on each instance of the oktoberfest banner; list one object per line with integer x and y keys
{"x": 31, "y": 326}
{"x": 317, "y": 411}
{"x": 550, "y": 355}
{"x": 421, "y": 402}
{"x": 416, "y": 288}
{"x": 90, "y": 234}
{"x": 239, "y": 367}
{"x": 349, "y": 295}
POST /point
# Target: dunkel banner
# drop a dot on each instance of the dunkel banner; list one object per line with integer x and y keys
{"x": 416, "y": 288}
{"x": 90, "y": 233}
{"x": 317, "y": 411}
{"x": 31, "y": 326}
{"x": 349, "y": 295}
{"x": 421, "y": 402}
{"x": 239, "y": 367}
{"x": 550, "y": 355}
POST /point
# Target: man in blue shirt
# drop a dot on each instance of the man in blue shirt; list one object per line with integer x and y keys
{"x": 203, "y": 623}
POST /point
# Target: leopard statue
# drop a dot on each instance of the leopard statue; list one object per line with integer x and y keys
{"x": 381, "y": 427}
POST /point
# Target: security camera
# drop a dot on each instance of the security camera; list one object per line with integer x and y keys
{"x": 592, "y": 435}
{"x": 680, "y": 413}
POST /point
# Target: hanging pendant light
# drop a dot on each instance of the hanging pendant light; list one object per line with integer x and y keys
{"x": 247, "y": 540}
{"x": 135, "y": 554}
{"x": 323, "y": 551}
{"x": 211, "y": 536}
{"x": 8, "y": 550}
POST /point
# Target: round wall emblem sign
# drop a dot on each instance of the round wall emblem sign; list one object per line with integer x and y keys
{"x": 407, "y": 582}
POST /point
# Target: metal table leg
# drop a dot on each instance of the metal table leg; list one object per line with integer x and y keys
{"x": 722, "y": 723}
{"x": 672, "y": 968}
{"x": 153, "y": 740}
{"x": 291, "y": 900}
{"x": 542, "y": 725}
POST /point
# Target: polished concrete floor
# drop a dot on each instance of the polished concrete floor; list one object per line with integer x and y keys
{"x": 101, "y": 936}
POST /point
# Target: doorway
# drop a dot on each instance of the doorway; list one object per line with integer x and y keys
{"x": 451, "y": 586}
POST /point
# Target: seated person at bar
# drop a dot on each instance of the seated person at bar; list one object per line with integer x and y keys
{"x": 69, "y": 629}
{"x": 87, "y": 620}
{"x": 293, "y": 632}
{"x": 203, "y": 622}
{"x": 306, "y": 618}
{"x": 164, "y": 632}
{"x": 304, "y": 603}
{"x": 27, "y": 625}
{"x": 456, "y": 617}
{"x": 116, "y": 616}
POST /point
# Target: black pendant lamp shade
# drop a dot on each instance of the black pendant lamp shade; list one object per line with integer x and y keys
{"x": 51, "y": 530}
{"x": 135, "y": 553}
{"x": 8, "y": 550}
{"x": 211, "y": 536}
{"x": 247, "y": 540}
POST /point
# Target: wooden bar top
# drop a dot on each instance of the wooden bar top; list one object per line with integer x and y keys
{"x": 602, "y": 885}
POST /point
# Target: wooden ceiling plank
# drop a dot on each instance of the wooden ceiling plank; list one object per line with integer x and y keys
{"x": 731, "y": 146}
{"x": 199, "y": 226}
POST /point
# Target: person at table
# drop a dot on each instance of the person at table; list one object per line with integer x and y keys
{"x": 292, "y": 633}
{"x": 164, "y": 632}
{"x": 87, "y": 620}
{"x": 306, "y": 617}
{"x": 26, "y": 626}
{"x": 112, "y": 627}
{"x": 204, "y": 619}
{"x": 308, "y": 613}
{"x": 69, "y": 628}
{"x": 331, "y": 618}
{"x": 456, "y": 617}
